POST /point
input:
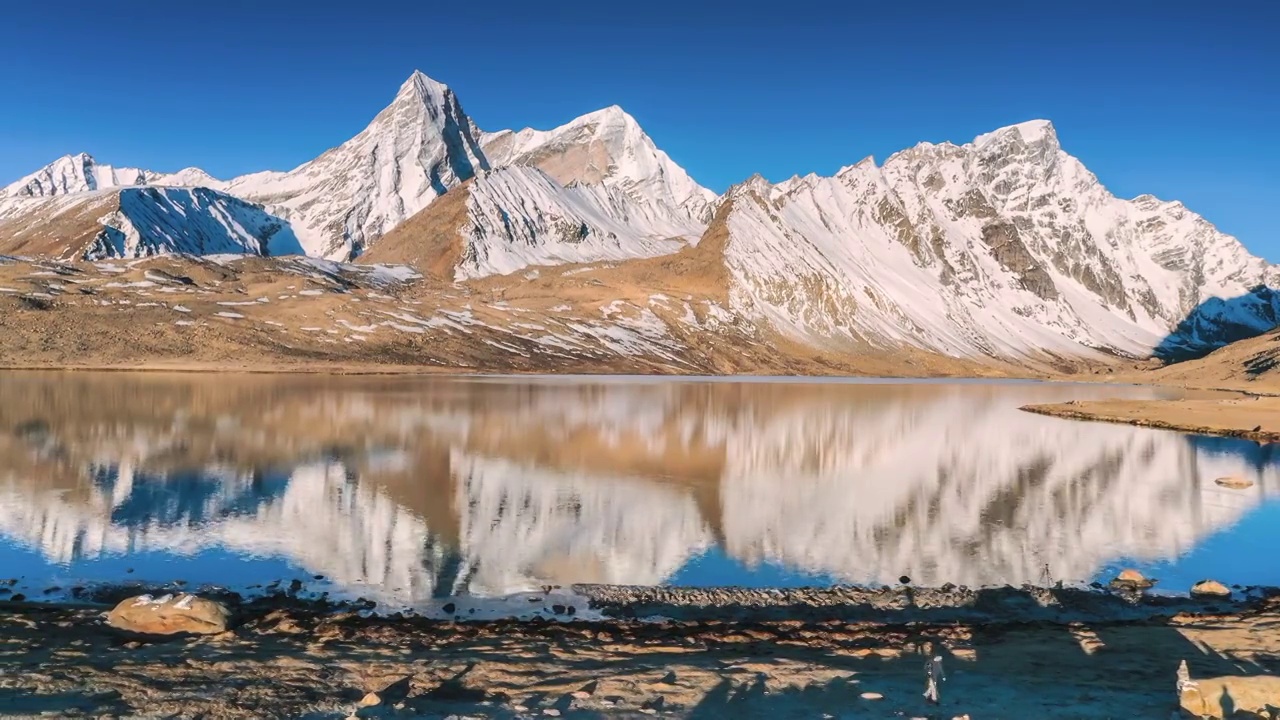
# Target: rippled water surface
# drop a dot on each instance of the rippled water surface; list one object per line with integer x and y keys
{"x": 404, "y": 489}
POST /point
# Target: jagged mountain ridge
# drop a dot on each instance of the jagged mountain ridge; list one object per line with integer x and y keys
{"x": 72, "y": 174}
{"x": 1003, "y": 247}
{"x": 419, "y": 147}
{"x": 1006, "y": 246}
{"x": 415, "y": 150}
{"x": 142, "y": 221}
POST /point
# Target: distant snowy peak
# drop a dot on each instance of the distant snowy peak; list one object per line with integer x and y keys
{"x": 413, "y": 151}
{"x": 73, "y": 174}
{"x": 188, "y": 177}
{"x": 607, "y": 146}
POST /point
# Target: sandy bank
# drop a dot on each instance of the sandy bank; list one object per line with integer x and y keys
{"x": 1251, "y": 417}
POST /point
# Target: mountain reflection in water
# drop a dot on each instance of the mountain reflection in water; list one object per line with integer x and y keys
{"x": 404, "y": 489}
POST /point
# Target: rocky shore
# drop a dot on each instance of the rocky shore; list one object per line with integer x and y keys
{"x": 689, "y": 653}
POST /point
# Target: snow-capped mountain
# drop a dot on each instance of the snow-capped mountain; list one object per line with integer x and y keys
{"x": 193, "y": 221}
{"x": 607, "y": 146}
{"x": 142, "y": 221}
{"x": 74, "y": 174}
{"x": 423, "y": 145}
{"x": 1006, "y": 246}
{"x": 415, "y": 150}
{"x": 518, "y": 217}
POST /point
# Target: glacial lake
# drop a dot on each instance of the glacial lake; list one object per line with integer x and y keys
{"x": 402, "y": 490}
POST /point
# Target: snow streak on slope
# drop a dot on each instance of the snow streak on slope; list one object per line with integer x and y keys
{"x": 196, "y": 221}
{"x": 414, "y": 151}
{"x": 142, "y": 221}
{"x": 607, "y": 146}
{"x": 1006, "y": 246}
{"x": 520, "y": 216}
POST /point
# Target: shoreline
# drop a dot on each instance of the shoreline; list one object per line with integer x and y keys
{"x": 1005, "y": 658}
{"x": 1253, "y": 417}
{"x": 1203, "y": 409}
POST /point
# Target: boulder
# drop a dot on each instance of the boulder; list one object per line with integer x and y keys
{"x": 1133, "y": 580}
{"x": 169, "y": 614}
{"x": 1230, "y": 696}
{"x": 1210, "y": 588}
{"x": 1234, "y": 483}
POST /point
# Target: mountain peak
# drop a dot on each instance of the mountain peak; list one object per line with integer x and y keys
{"x": 1030, "y": 132}
{"x": 414, "y": 150}
{"x": 72, "y": 174}
{"x": 612, "y": 115}
{"x": 421, "y": 87}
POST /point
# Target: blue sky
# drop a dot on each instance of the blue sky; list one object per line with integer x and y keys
{"x": 1180, "y": 99}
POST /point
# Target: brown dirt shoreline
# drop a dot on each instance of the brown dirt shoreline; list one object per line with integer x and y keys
{"x": 1008, "y": 660}
{"x": 1250, "y": 417}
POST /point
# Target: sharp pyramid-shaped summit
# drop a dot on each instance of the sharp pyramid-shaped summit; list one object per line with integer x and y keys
{"x": 415, "y": 150}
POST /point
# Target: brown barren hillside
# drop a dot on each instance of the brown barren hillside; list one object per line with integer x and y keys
{"x": 430, "y": 241}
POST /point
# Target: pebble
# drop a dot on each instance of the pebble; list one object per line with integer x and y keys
{"x": 370, "y": 700}
{"x": 551, "y": 712}
{"x": 872, "y": 696}
{"x": 580, "y": 694}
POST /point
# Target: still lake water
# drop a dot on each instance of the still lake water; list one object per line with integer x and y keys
{"x": 407, "y": 489}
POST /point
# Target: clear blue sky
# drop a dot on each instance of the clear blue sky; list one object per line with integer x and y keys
{"x": 1180, "y": 99}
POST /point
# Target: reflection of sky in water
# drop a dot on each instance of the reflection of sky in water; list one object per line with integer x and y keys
{"x": 1244, "y": 554}
{"x": 189, "y": 497}
{"x": 207, "y": 567}
{"x": 944, "y": 487}
{"x": 714, "y": 568}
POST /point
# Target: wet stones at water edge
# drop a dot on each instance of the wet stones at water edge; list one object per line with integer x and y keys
{"x": 1234, "y": 483}
{"x": 1131, "y": 579}
{"x": 1210, "y": 589}
{"x": 169, "y": 615}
